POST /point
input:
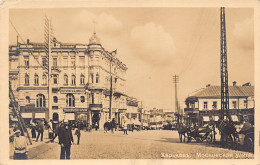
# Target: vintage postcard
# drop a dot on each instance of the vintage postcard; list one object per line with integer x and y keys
{"x": 130, "y": 82}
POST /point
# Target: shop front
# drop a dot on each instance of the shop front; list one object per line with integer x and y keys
{"x": 30, "y": 112}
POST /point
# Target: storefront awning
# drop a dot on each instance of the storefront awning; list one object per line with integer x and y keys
{"x": 27, "y": 115}
{"x": 39, "y": 115}
{"x": 205, "y": 118}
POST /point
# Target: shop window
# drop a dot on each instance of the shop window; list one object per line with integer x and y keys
{"x": 40, "y": 100}
{"x": 55, "y": 99}
{"x": 82, "y": 99}
{"x": 70, "y": 100}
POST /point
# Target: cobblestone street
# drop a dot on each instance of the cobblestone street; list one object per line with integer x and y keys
{"x": 136, "y": 145}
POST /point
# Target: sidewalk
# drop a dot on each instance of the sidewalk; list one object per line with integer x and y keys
{"x": 33, "y": 140}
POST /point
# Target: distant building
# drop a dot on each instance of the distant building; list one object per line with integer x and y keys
{"x": 205, "y": 104}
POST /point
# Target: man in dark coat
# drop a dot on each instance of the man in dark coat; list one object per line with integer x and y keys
{"x": 40, "y": 129}
{"x": 65, "y": 140}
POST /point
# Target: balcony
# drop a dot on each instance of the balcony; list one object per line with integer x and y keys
{"x": 190, "y": 110}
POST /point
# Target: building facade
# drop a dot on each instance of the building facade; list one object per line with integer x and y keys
{"x": 80, "y": 81}
{"x": 205, "y": 104}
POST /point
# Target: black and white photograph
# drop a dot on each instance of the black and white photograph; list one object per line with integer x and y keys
{"x": 131, "y": 83}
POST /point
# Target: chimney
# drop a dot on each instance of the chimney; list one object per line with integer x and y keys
{"x": 234, "y": 83}
{"x": 28, "y": 41}
{"x": 208, "y": 85}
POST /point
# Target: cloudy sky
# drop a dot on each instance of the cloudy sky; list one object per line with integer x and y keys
{"x": 155, "y": 44}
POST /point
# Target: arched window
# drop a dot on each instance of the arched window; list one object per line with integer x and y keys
{"x": 82, "y": 79}
{"x": 97, "y": 78}
{"x": 70, "y": 100}
{"x": 73, "y": 79}
{"x": 27, "y": 98}
{"x": 66, "y": 79}
{"x": 82, "y": 99}
{"x": 40, "y": 100}
{"x": 44, "y": 79}
{"x": 26, "y": 78}
{"x": 36, "y": 79}
{"x": 55, "y": 99}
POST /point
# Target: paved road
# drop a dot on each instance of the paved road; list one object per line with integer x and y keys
{"x": 136, "y": 145}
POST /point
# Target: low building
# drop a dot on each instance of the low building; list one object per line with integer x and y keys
{"x": 205, "y": 104}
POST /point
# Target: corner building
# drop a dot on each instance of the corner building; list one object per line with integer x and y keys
{"x": 80, "y": 81}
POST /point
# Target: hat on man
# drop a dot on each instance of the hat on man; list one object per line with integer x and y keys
{"x": 17, "y": 131}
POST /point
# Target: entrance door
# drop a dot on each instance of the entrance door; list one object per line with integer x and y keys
{"x": 95, "y": 118}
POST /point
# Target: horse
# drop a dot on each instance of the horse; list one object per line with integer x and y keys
{"x": 183, "y": 130}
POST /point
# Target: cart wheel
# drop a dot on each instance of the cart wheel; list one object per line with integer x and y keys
{"x": 249, "y": 144}
{"x": 198, "y": 139}
{"x": 209, "y": 138}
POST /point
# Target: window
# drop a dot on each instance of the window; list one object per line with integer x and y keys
{"x": 234, "y": 103}
{"x": 245, "y": 103}
{"x": 55, "y": 79}
{"x": 73, "y": 61}
{"x": 26, "y": 61}
{"x": 73, "y": 79}
{"x": 40, "y": 100}
{"x": 44, "y": 61}
{"x": 115, "y": 80}
{"x": 214, "y": 105}
{"x": 82, "y": 99}
{"x": 92, "y": 96}
{"x": 82, "y": 79}
{"x": 81, "y": 61}
{"x": 192, "y": 105}
{"x": 205, "y": 105}
{"x": 26, "y": 78}
{"x": 36, "y": 79}
{"x": 66, "y": 79}
{"x": 27, "y": 98}
{"x": 97, "y": 78}
{"x": 44, "y": 79}
{"x": 55, "y": 62}
{"x": 55, "y": 99}
{"x": 70, "y": 100}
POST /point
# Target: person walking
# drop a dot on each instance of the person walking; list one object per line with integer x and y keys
{"x": 96, "y": 126}
{"x": 125, "y": 128}
{"x": 112, "y": 125}
{"x": 33, "y": 129}
{"x": 78, "y": 135}
{"x": 40, "y": 130}
{"x": 20, "y": 146}
{"x": 65, "y": 140}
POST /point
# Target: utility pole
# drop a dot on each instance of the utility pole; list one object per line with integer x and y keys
{"x": 223, "y": 69}
{"x": 111, "y": 89}
{"x": 175, "y": 81}
{"x": 48, "y": 39}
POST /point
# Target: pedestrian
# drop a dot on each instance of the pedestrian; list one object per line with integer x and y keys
{"x": 77, "y": 132}
{"x": 40, "y": 130}
{"x": 112, "y": 125}
{"x": 56, "y": 126}
{"x": 33, "y": 129}
{"x": 96, "y": 126}
{"x": 133, "y": 126}
{"x": 20, "y": 146}
{"x": 65, "y": 140}
{"x": 106, "y": 126}
{"x": 125, "y": 128}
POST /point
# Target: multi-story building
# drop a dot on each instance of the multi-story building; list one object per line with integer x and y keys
{"x": 81, "y": 76}
{"x": 205, "y": 104}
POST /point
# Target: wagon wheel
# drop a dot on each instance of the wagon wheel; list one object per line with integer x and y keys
{"x": 229, "y": 142}
{"x": 249, "y": 144}
{"x": 209, "y": 138}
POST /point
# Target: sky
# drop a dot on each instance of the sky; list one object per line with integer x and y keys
{"x": 155, "y": 44}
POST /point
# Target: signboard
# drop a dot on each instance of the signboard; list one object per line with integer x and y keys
{"x": 69, "y": 116}
{"x": 75, "y": 110}
{"x": 27, "y": 115}
{"x": 39, "y": 115}
{"x": 32, "y": 108}
{"x": 72, "y": 90}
